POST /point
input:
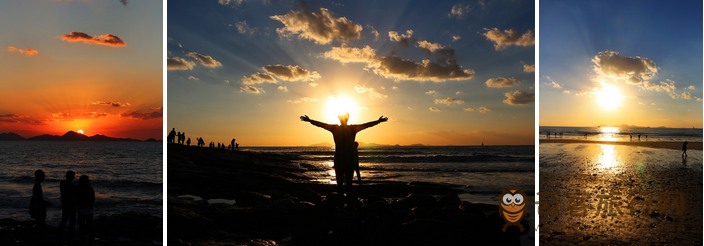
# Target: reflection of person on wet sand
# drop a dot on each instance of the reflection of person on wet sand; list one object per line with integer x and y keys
{"x": 684, "y": 149}
{"x": 344, "y": 136}
{"x": 37, "y": 206}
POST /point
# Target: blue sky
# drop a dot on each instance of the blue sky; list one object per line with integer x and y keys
{"x": 482, "y": 93}
{"x": 573, "y": 33}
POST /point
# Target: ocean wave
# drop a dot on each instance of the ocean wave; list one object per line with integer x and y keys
{"x": 432, "y": 159}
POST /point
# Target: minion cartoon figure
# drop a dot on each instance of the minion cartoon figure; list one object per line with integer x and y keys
{"x": 513, "y": 207}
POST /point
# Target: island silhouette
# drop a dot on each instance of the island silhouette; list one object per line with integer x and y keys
{"x": 68, "y": 136}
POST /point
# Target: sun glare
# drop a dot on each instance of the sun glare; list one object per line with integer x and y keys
{"x": 609, "y": 97}
{"x": 339, "y": 105}
{"x": 80, "y": 131}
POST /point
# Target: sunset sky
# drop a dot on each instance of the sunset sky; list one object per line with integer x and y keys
{"x": 91, "y": 65}
{"x": 620, "y": 62}
{"x": 445, "y": 73}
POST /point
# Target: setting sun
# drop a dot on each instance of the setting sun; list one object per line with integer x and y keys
{"x": 609, "y": 97}
{"x": 80, "y": 131}
{"x": 339, "y": 105}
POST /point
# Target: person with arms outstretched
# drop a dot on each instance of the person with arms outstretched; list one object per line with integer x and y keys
{"x": 344, "y": 136}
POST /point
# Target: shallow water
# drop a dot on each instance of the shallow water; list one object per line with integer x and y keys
{"x": 603, "y": 192}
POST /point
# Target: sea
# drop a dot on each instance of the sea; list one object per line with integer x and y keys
{"x": 481, "y": 171}
{"x": 126, "y": 176}
{"x": 660, "y": 134}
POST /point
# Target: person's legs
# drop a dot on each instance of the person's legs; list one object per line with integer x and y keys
{"x": 81, "y": 227}
{"x": 89, "y": 225}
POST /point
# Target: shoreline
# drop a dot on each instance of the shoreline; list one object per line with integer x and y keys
{"x": 275, "y": 202}
{"x": 651, "y": 144}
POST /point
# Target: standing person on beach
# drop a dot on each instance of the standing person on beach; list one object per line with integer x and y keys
{"x": 684, "y": 149}
{"x": 68, "y": 207}
{"x": 232, "y": 144}
{"x": 188, "y": 142}
{"x": 86, "y": 198}
{"x": 172, "y": 135}
{"x": 355, "y": 161}
{"x": 37, "y": 206}
{"x": 344, "y": 136}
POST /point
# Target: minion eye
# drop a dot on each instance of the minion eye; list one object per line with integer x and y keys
{"x": 518, "y": 199}
{"x": 507, "y": 199}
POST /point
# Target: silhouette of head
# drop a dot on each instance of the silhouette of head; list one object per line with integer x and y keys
{"x": 344, "y": 118}
{"x": 83, "y": 180}
{"x": 69, "y": 175}
{"x": 39, "y": 175}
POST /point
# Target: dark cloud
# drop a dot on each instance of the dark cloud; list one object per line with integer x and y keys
{"x": 124, "y": 2}
{"x": 611, "y": 64}
{"x": 403, "y": 40}
{"x": 178, "y": 63}
{"x": 155, "y": 113}
{"x": 503, "y": 82}
{"x": 321, "y": 27}
{"x": 114, "y": 104}
{"x": 252, "y": 89}
{"x": 519, "y": 98}
{"x": 508, "y": 37}
{"x": 480, "y": 109}
{"x": 448, "y": 101}
{"x": 204, "y": 60}
{"x": 258, "y": 78}
{"x": 291, "y": 73}
{"x": 107, "y": 39}
{"x": 401, "y": 69}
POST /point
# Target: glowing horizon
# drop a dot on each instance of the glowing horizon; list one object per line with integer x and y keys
{"x": 85, "y": 65}
{"x": 249, "y": 70}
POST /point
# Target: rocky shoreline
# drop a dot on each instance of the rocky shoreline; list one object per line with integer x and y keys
{"x": 275, "y": 205}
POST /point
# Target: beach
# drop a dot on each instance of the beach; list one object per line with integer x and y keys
{"x": 222, "y": 197}
{"x": 619, "y": 192}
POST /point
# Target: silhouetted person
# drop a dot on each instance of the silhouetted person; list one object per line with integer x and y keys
{"x": 631, "y": 137}
{"x": 172, "y": 135}
{"x": 178, "y": 138}
{"x": 684, "y": 149}
{"x": 188, "y": 142}
{"x": 68, "y": 207}
{"x": 183, "y": 138}
{"x": 355, "y": 161}
{"x": 646, "y": 137}
{"x": 37, "y": 206}
{"x": 344, "y": 136}
{"x": 585, "y": 135}
{"x": 482, "y": 144}
{"x": 638, "y": 137}
{"x": 232, "y": 143}
{"x": 86, "y": 198}
{"x": 237, "y": 147}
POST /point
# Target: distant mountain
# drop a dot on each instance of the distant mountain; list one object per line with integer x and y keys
{"x": 11, "y": 136}
{"x": 69, "y": 136}
{"x": 323, "y": 144}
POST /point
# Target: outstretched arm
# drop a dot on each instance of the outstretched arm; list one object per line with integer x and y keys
{"x": 370, "y": 124}
{"x": 328, "y": 127}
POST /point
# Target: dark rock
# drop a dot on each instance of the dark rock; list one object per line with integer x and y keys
{"x": 418, "y": 200}
{"x": 450, "y": 200}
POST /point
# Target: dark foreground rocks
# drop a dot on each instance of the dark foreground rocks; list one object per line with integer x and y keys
{"x": 274, "y": 205}
{"x": 129, "y": 228}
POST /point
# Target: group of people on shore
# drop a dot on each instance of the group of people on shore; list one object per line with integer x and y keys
{"x": 234, "y": 146}
{"x": 346, "y": 160}
{"x": 76, "y": 201}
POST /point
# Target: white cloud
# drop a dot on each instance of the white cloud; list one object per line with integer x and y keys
{"x": 448, "y": 101}
{"x": 503, "y": 82}
{"x": 370, "y": 92}
{"x": 321, "y": 27}
{"x": 480, "y": 109}
{"x": 519, "y": 97}
{"x": 508, "y": 37}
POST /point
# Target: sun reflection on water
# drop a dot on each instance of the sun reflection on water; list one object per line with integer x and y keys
{"x": 608, "y": 133}
{"x": 608, "y": 157}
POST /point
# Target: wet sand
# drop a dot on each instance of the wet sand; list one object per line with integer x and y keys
{"x": 651, "y": 144}
{"x": 602, "y": 170}
{"x": 275, "y": 204}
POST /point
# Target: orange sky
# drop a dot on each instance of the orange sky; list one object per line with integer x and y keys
{"x": 81, "y": 69}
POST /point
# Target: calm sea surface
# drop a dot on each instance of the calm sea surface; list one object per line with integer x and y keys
{"x": 480, "y": 171}
{"x": 126, "y": 176}
{"x": 624, "y": 133}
